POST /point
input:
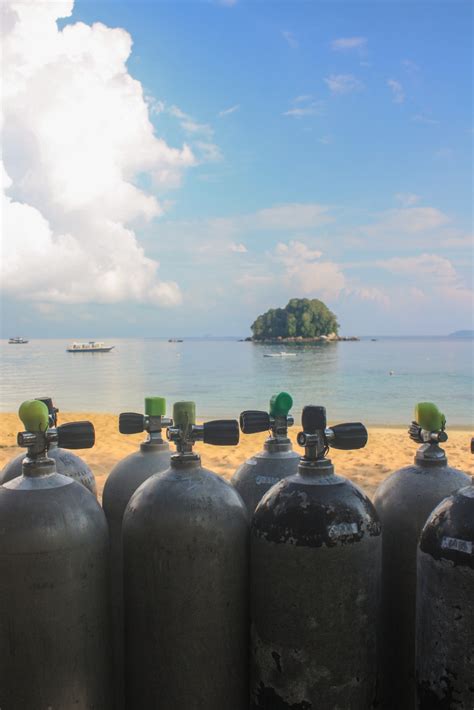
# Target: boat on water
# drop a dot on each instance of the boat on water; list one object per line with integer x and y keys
{"x": 282, "y": 354}
{"x": 17, "y": 341}
{"x": 175, "y": 340}
{"x": 90, "y": 347}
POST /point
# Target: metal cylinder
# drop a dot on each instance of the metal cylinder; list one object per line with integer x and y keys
{"x": 185, "y": 537}
{"x": 404, "y": 501}
{"x": 262, "y": 470}
{"x": 124, "y": 479}
{"x": 445, "y": 611}
{"x": 67, "y": 464}
{"x": 54, "y": 625}
{"x": 315, "y": 554}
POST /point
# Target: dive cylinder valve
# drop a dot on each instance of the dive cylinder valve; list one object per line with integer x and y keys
{"x": 316, "y": 437}
{"x": 185, "y": 432}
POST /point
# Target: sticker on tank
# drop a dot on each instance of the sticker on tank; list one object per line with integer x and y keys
{"x": 454, "y": 543}
{"x": 342, "y": 529}
{"x": 263, "y": 480}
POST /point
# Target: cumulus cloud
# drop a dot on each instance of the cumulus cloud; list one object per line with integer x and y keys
{"x": 306, "y": 274}
{"x": 343, "y": 44}
{"x": 77, "y": 135}
{"x": 409, "y": 220}
{"x": 343, "y": 83}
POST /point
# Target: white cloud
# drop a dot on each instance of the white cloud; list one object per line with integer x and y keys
{"x": 423, "y": 118}
{"x": 290, "y": 38}
{"x": 314, "y": 108}
{"x": 305, "y": 274}
{"x": 238, "y": 248}
{"x": 398, "y": 94}
{"x": 77, "y": 132}
{"x": 208, "y": 152}
{"x": 407, "y": 199}
{"x": 295, "y": 216}
{"x": 343, "y": 83}
{"x": 409, "y": 220}
{"x": 228, "y": 111}
{"x": 348, "y": 43}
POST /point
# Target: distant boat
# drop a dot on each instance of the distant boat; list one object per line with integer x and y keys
{"x": 17, "y": 341}
{"x": 282, "y": 354}
{"x": 175, "y": 340}
{"x": 374, "y": 340}
{"x": 91, "y": 347}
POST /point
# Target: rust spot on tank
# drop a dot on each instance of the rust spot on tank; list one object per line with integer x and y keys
{"x": 268, "y": 699}
{"x": 315, "y": 515}
{"x": 440, "y": 697}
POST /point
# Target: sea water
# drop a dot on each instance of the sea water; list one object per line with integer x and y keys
{"x": 374, "y": 382}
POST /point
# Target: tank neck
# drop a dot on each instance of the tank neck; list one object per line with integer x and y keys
{"x": 431, "y": 455}
{"x": 185, "y": 461}
{"x": 41, "y": 466}
{"x": 154, "y": 442}
{"x": 318, "y": 468}
{"x": 276, "y": 444}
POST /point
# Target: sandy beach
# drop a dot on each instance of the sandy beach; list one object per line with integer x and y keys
{"x": 387, "y": 450}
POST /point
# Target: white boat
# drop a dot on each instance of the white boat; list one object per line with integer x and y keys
{"x": 90, "y": 347}
{"x": 281, "y": 354}
{"x": 17, "y": 341}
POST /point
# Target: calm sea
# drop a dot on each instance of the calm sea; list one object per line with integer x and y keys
{"x": 352, "y": 379}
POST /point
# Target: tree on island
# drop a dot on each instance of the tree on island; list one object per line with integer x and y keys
{"x": 301, "y": 317}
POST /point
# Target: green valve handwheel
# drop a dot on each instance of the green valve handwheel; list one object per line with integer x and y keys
{"x": 184, "y": 415}
{"x": 428, "y": 416}
{"x": 155, "y": 406}
{"x": 280, "y": 404}
{"x": 34, "y": 415}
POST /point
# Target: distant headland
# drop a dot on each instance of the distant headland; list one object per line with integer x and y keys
{"x": 462, "y": 334}
{"x": 302, "y": 320}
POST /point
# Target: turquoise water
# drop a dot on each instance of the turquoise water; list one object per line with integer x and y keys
{"x": 225, "y": 376}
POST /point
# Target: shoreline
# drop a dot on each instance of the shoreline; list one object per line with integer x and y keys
{"x": 388, "y": 448}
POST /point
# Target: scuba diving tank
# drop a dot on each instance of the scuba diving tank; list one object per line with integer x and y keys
{"x": 404, "y": 501}
{"x": 277, "y": 460}
{"x": 445, "y": 610}
{"x": 54, "y": 624}
{"x": 315, "y": 549}
{"x": 127, "y": 475}
{"x": 185, "y": 536}
{"x": 66, "y": 463}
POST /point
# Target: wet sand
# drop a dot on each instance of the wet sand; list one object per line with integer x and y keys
{"x": 387, "y": 450}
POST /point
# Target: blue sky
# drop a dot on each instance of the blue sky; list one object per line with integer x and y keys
{"x": 331, "y": 150}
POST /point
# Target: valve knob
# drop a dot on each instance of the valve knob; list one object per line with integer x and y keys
{"x": 131, "y": 423}
{"x": 313, "y": 419}
{"x": 253, "y": 421}
{"x": 348, "y": 436}
{"x": 76, "y": 435}
{"x": 221, "y": 432}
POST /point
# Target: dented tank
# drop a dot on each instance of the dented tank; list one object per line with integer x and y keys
{"x": 277, "y": 460}
{"x": 445, "y": 609}
{"x": 404, "y": 501}
{"x": 67, "y": 463}
{"x": 315, "y": 565}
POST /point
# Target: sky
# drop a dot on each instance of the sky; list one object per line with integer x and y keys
{"x": 177, "y": 168}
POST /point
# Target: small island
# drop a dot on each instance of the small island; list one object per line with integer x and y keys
{"x": 302, "y": 320}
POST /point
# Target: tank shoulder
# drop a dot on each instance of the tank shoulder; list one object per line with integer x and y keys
{"x": 449, "y": 531}
{"x": 12, "y": 468}
{"x": 313, "y": 515}
{"x": 202, "y": 493}
{"x": 68, "y": 513}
